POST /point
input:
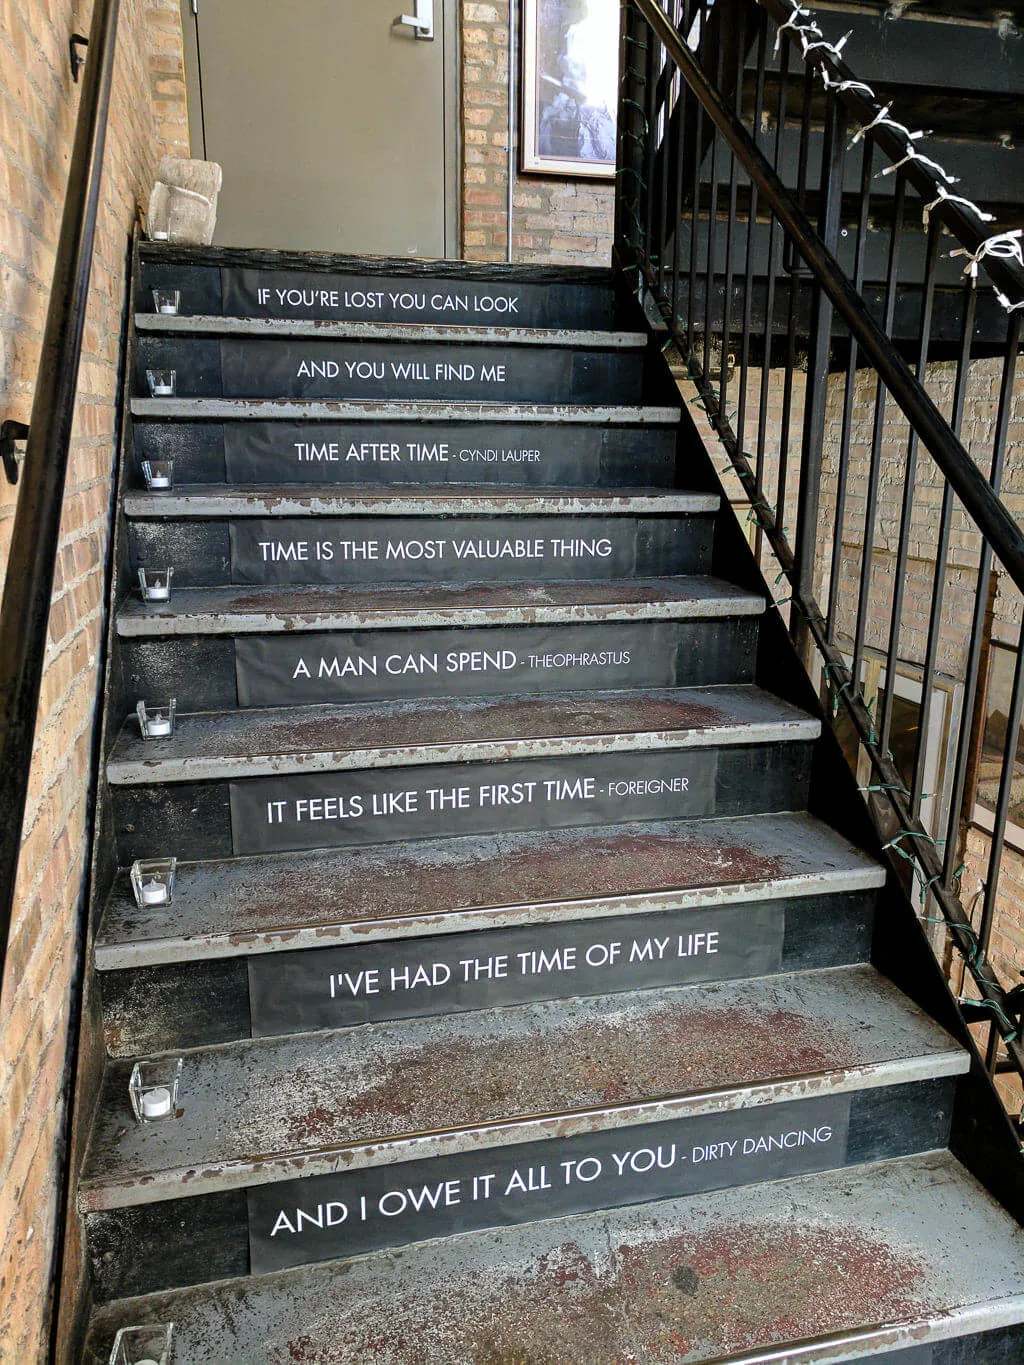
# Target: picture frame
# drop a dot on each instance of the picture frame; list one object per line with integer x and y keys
{"x": 569, "y": 85}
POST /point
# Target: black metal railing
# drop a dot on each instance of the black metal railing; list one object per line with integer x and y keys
{"x": 792, "y": 235}
{"x": 32, "y": 557}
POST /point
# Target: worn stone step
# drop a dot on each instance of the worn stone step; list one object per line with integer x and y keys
{"x": 236, "y": 358}
{"x": 833, "y": 1267}
{"x": 293, "y": 285}
{"x": 282, "y": 904}
{"x": 237, "y": 611}
{"x": 199, "y": 502}
{"x": 504, "y": 1076}
{"x": 266, "y": 945}
{"x": 323, "y": 739}
{"x": 157, "y": 324}
{"x": 246, "y": 441}
{"x": 479, "y": 548}
{"x": 836, "y": 1067}
{"x": 337, "y": 777}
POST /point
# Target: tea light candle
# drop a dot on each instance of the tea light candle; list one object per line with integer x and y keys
{"x": 159, "y": 590}
{"x": 159, "y": 236}
{"x": 154, "y": 893}
{"x": 157, "y": 724}
{"x": 161, "y": 389}
{"x": 156, "y": 1104}
{"x": 147, "y": 1361}
{"x": 158, "y": 479}
{"x": 166, "y": 300}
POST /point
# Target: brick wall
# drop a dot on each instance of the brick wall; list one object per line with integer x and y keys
{"x": 555, "y": 221}
{"x": 38, "y": 105}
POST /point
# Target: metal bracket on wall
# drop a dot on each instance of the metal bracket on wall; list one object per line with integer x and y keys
{"x": 77, "y": 58}
{"x": 10, "y": 432}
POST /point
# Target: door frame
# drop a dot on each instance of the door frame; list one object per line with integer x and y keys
{"x": 449, "y": 31}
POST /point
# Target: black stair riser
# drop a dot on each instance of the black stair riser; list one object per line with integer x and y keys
{"x": 360, "y": 297}
{"x": 189, "y": 1241}
{"x": 1004, "y": 1346}
{"x": 199, "y": 1002}
{"x": 217, "y": 819}
{"x": 354, "y": 550}
{"x": 292, "y": 367}
{"x": 219, "y": 673}
{"x": 517, "y": 454}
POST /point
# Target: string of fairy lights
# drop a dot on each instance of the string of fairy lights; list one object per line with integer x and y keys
{"x": 1006, "y": 245}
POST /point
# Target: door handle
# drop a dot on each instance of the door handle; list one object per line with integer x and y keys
{"x": 422, "y": 22}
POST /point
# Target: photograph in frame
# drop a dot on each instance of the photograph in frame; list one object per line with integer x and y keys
{"x": 570, "y": 77}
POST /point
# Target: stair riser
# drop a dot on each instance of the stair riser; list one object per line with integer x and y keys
{"x": 220, "y": 673}
{"x": 381, "y": 805}
{"x": 196, "y": 1003}
{"x": 242, "y": 292}
{"x": 245, "y": 367}
{"x": 358, "y": 550}
{"x": 188, "y": 1241}
{"x": 517, "y": 454}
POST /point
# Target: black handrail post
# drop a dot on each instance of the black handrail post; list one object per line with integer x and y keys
{"x": 24, "y": 615}
{"x": 806, "y": 536}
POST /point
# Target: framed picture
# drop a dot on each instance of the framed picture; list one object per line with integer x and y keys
{"x": 570, "y": 87}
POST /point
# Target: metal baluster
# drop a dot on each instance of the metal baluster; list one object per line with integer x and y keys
{"x": 963, "y": 369}
{"x": 819, "y": 352}
{"x": 849, "y": 393}
{"x": 730, "y": 233}
{"x": 774, "y": 243}
{"x": 885, "y": 704}
{"x": 874, "y": 471}
{"x": 1002, "y": 813}
{"x": 957, "y": 810}
{"x": 748, "y": 263}
{"x": 797, "y": 273}
{"x": 654, "y": 46}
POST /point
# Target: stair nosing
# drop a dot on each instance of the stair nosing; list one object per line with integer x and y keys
{"x": 213, "y": 324}
{"x": 102, "y": 1193}
{"x": 124, "y": 953}
{"x": 210, "y": 1311}
{"x": 402, "y": 410}
{"x": 787, "y": 725}
{"x": 724, "y": 600}
{"x": 323, "y": 501}
{"x": 983, "y": 1315}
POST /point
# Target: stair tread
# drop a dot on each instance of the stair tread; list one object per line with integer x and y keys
{"x": 228, "y": 610}
{"x": 343, "y": 1099}
{"x": 448, "y": 333}
{"x": 284, "y": 739}
{"x": 287, "y": 902}
{"x": 399, "y": 410}
{"x": 291, "y": 500}
{"x": 850, "y": 1259}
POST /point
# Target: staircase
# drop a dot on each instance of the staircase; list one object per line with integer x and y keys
{"x": 538, "y": 992}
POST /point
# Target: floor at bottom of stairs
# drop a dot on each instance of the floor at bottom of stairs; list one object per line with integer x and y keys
{"x": 872, "y": 1258}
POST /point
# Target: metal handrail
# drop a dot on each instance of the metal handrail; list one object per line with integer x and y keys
{"x": 969, "y": 484}
{"x": 31, "y": 564}
{"x": 1005, "y": 273}
{"x": 648, "y": 102}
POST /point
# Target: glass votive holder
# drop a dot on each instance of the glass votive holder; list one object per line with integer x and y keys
{"x": 156, "y": 721}
{"x": 155, "y": 585}
{"x": 153, "y": 881}
{"x": 153, "y": 1089}
{"x": 148, "y": 1345}
{"x": 162, "y": 383}
{"x": 159, "y": 474}
{"x": 166, "y": 300}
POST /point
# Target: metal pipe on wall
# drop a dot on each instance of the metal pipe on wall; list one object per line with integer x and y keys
{"x": 513, "y": 28}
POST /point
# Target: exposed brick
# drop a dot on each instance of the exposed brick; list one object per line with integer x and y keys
{"x": 38, "y": 108}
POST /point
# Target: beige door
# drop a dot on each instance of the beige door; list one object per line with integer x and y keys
{"x": 334, "y": 124}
